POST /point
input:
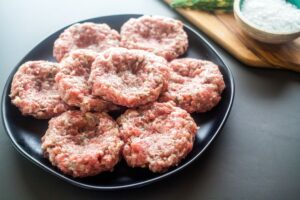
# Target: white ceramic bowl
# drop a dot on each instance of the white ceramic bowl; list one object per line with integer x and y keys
{"x": 257, "y": 33}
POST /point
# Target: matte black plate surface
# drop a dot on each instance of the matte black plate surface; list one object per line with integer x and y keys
{"x": 25, "y": 132}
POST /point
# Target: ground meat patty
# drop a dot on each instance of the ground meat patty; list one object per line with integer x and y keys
{"x": 82, "y": 144}
{"x": 72, "y": 81}
{"x": 194, "y": 85}
{"x": 97, "y": 37}
{"x": 157, "y": 136}
{"x": 34, "y": 92}
{"x": 161, "y": 35}
{"x": 128, "y": 77}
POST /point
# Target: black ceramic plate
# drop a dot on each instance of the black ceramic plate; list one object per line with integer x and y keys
{"x": 26, "y": 132}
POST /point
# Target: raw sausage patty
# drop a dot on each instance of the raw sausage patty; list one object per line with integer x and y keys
{"x": 128, "y": 77}
{"x": 72, "y": 81}
{"x": 82, "y": 144}
{"x": 97, "y": 37}
{"x": 157, "y": 136}
{"x": 34, "y": 91}
{"x": 195, "y": 85}
{"x": 161, "y": 35}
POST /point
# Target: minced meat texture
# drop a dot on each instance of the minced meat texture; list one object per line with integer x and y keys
{"x": 160, "y": 35}
{"x": 128, "y": 77}
{"x": 194, "y": 85}
{"x": 82, "y": 144}
{"x": 157, "y": 135}
{"x": 72, "y": 81}
{"x": 88, "y": 35}
{"x": 34, "y": 92}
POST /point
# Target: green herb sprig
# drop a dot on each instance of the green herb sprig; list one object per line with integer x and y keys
{"x": 207, "y": 5}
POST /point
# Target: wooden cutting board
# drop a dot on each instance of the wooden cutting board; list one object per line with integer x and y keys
{"x": 224, "y": 30}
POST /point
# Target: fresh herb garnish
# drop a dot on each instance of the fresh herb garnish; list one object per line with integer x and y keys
{"x": 207, "y": 5}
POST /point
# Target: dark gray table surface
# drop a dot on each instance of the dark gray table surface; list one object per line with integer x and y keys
{"x": 256, "y": 156}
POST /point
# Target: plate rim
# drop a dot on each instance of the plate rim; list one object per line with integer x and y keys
{"x": 119, "y": 187}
